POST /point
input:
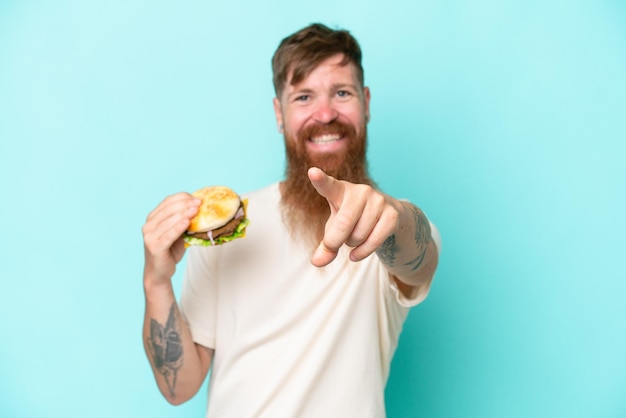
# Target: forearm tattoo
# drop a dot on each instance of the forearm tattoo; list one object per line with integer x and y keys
{"x": 388, "y": 250}
{"x": 166, "y": 348}
{"x": 422, "y": 238}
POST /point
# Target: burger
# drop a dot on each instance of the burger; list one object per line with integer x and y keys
{"x": 221, "y": 217}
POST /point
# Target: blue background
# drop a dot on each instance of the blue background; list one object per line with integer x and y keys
{"x": 504, "y": 121}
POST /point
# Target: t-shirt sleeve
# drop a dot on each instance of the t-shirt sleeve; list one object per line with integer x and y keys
{"x": 418, "y": 293}
{"x": 198, "y": 301}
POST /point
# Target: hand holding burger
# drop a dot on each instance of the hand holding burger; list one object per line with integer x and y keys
{"x": 205, "y": 218}
{"x": 221, "y": 217}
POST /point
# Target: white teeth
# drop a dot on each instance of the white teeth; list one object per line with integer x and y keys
{"x": 325, "y": 139}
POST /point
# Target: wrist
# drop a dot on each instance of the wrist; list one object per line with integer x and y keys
{"x": 153, "y": 285}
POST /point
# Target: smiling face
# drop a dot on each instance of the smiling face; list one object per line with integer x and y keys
{"x": 324, "y": 116}
{"x": 324, "y": 119}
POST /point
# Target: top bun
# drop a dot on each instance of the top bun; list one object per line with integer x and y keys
{"x": 219, "y": 205}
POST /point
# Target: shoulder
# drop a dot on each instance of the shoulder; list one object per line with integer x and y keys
{"x": 263, "y": 201}
{"x": 269, "y": 192}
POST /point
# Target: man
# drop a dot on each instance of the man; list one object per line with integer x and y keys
{"x": 301, "y": 317}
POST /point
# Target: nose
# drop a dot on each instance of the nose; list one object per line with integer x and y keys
{"x": 325, "y": 112}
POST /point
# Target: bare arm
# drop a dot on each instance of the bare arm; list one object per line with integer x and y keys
{"x": 179, "y": 365}
{"x": 370, "y": 221}
{"x": 410, "y": 254}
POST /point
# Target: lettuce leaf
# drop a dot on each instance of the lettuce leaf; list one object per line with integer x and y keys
{"x": 240, "y": 232}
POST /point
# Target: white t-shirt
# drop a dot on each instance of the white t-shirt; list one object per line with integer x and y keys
{"x": 290, "y": 339}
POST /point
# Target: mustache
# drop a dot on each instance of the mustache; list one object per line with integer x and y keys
{"x": 334, "y": 127}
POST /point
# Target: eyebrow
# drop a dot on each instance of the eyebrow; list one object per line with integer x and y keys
{"x": 339, "y": 86}
{"x": 300, "y": 91}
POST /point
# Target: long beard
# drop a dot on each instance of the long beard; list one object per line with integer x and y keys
{"x": 305, "y": 212}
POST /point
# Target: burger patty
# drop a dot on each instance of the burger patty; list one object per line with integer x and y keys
{"x": 227, "y": 229}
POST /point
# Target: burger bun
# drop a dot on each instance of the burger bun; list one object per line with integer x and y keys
{"x": 219, "y": 205}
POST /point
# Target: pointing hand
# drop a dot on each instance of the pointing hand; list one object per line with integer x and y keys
{"x": 360, "y": 217}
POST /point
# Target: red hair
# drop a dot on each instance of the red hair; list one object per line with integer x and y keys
{"x": 299, "y": 54}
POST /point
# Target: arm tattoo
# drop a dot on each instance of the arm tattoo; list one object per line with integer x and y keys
{"x": 388, "y": 250}
{"x": 422, "y": 238}
{"x": 166, "y": 348}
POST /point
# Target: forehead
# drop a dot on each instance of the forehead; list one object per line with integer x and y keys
{"x": 330, "y": 70}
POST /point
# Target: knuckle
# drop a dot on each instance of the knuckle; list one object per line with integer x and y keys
{"x": 390, "y": 215}
{"x": 374, "y": 240}
{"x": 355, "y": 241}
{"x": 150, "y": 247}
{"x": 359, "y": 238}
{"x": 378, "y": 242}
{"x": 363, "y": 189}
{"x": 393, "y": 216}
{"x": 147, "y": 231}
{"x": 343, "y": 222}
{"x": 379, "y": 199}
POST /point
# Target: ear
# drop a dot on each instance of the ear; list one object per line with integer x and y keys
{"x": 366, "y": 102}
{"x": 278, "y": 113}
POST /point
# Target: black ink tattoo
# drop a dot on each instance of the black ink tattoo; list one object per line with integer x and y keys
{"x": 422, "y": 238}
{"x": 387, "y": 251}
{"x": 166, "y": 347}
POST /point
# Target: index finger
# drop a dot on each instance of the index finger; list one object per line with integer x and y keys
{"x": 327, "y": 186}
{"x": 173, "y": 203}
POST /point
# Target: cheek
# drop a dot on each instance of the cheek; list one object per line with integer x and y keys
{"x": 353, "y": 113}
{"x": 292, "y": 127}
{"x": 294, "y": 122}
{"x": 357, "y": 119}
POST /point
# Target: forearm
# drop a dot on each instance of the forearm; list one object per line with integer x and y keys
{"x": 179, "y": 365}
{"x": 410, "y": 254}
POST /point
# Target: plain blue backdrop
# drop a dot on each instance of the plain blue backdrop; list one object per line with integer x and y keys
{"x": 504, "y": 120}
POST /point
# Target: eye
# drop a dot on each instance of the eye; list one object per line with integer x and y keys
{"x": 343, "y": 93}
{"x": 302, "y": 98}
